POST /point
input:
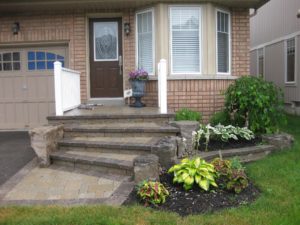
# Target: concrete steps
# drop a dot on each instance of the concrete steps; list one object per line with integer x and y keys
{"x": 120, "y": 130}
{"x": 125, "y": 145}
{"x": 109, "y": 142}
{"x": 110, "y": 119}
{"x": 100, "y": 162}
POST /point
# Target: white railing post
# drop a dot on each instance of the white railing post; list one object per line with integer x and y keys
{"x": 58, "y": 88}
{"x": 162, "y": 86}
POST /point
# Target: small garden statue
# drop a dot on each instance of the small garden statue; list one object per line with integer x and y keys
{"x": 138, "y": 80}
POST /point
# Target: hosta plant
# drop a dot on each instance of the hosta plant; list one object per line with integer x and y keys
{"x": 194, "y": 171}
{"x": 152, "y": 192}
{"x": 220, "y": 132}
{"x": 237, "y": 181}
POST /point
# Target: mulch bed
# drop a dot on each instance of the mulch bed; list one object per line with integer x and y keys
{"x": 196, "y": 201}
{"x": 220, "y": 145}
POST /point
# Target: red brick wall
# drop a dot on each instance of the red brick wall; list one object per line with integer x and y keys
{"x": 204, "y": 96}
{"x": 240, "y": 42}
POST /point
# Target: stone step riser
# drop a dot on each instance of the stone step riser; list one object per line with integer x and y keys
{"x": 105, "y": 150}
{"x": 98, "y": 168}
{"x": 79, "y": 121}
{"x": 68, "y": 134}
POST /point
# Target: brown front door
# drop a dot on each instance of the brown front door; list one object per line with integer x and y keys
{"x": 106, "y": 75}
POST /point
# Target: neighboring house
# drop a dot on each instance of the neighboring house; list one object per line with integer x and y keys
{"x": 205, "y": 43}
{"x": 275, "y": 47}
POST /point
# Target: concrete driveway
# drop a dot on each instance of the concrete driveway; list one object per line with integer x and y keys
{"x": 15, "y": 152}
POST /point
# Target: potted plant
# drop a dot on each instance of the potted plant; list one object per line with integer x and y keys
{"x": 138, "y": 80}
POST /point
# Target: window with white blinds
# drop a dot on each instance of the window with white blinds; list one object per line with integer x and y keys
{"x": 145, "y": 41}
{"x": 223, "y": 42}
{"x": 185, "y": 24}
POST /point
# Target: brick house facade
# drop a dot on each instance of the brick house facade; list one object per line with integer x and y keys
{"x": 69, "y": 27}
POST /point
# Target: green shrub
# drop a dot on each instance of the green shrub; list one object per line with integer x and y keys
{"x": 152, "y": 192}
{"x": 221, "y": 117}
{"x": 187, "y": 114}
{"x": 236, "y": 164}
{"x": 193, "y": 171}
{"x": 255, "y": 103}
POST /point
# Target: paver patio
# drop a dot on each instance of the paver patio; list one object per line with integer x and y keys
{"x": 60, "y": 185}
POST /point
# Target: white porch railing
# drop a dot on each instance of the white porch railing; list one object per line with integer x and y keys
{"x": 67, "y": 88}
{"x": 162, "y": 86}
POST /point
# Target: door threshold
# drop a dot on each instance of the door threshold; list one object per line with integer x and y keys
{"x": 107, "y": 101}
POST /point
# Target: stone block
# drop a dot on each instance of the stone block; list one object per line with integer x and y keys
{"x": 146, "y": 167}
{"x": 166, "y": 150}
{"x": 186, "y": 130}
{"x": 280, "y": 141}
{"x": 44, "y": 141}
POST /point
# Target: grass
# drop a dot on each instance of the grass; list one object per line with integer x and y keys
{"x": 278, "y": 177}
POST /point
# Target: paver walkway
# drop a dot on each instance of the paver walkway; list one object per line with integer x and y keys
{"x": 60, "y": 185}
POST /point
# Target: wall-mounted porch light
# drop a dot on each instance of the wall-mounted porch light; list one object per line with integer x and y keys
{"x": 298, "y": 15}
{"x": 127, "y": 28}
{"x": 15, "y": 28}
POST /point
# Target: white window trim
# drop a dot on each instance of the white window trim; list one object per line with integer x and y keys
{"x": 264, "y": 62}
{"x": 200, "y": 39}
{"x": 153, "y": 38}
{"x": 230, "y": 41}
{"x": 285, "y": 61}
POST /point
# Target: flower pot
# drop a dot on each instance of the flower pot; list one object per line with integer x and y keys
{"x": 138, "y": 91}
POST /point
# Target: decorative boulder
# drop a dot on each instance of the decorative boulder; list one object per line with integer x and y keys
{"x": 44, "y": 141}
{"x": 146, "y": 167}
{"x": 166, "y": 150}
{"x": 186, "y": 130}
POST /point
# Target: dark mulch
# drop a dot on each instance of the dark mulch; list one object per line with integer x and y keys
{"x": 220, "y": 145}
{"x": 196, "y": 201}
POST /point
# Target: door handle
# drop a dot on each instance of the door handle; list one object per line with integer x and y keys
{"x": 120, "y": 65}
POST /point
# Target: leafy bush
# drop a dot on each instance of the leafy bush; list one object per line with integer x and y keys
{"x": 221, "y": 117}
{"x": 187, "y": 114}
{"x": 222, "y": 167}
{"x": 231, "y": 174}
{"x": 255, "y": 103}
{"x": 152, "y": 192}
{"x": 193, "y": 171}
{"x": 236, "y": 164}
{"x": 237, "y": 181}
{"x": 220, "y": 132}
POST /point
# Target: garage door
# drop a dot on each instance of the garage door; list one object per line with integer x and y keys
{"x": 27, "y": 85}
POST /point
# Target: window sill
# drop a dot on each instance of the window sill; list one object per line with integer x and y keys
{"x": 292, "y": 84}
{"x": 198, "y": 77}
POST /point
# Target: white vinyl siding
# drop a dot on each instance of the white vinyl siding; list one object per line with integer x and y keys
{"x": 145, "y": 41}
{"x": 185, "y": 36}
{"x": 290, "y": 61}
{"x": 223, "y": 42}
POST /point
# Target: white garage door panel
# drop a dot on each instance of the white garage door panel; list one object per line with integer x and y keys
{"x": 27, "y": 95}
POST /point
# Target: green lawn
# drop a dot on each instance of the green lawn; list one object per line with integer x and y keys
{"x": 278, "y": 176}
